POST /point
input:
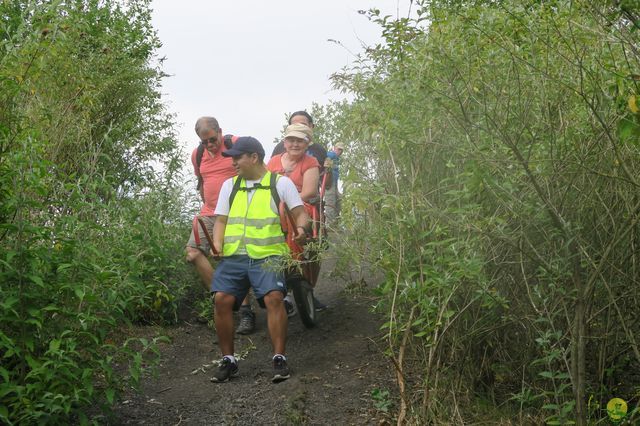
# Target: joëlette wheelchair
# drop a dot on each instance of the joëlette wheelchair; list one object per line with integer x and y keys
{"x": 302, "y": 277}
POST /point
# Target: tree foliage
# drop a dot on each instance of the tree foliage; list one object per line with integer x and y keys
{"x": 492, "y": 171}
{"x": 90, "y": 204}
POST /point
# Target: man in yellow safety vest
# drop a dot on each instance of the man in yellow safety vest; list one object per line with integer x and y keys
{"x": 249, "y": 236}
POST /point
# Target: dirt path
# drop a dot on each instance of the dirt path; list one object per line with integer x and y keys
{"x": 334, "y": 367}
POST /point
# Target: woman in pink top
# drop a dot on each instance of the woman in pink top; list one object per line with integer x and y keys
{"x": 295, "y": 163}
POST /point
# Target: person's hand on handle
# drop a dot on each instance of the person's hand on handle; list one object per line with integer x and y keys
{"x": 300, "y": 236}
{"x": 215, "y": 251}
{"x": 218, "y": 236}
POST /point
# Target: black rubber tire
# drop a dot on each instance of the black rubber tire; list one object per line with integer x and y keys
{"x": 303, "y": 293}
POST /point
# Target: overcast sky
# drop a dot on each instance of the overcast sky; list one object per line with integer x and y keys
{"x": 250, "y": 62}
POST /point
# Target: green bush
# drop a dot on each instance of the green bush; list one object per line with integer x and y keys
{"x": 91, "y": 211}
{"x": 490, "y": 171}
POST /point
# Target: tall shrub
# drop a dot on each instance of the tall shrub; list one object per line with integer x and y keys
{"x": 90, "y": 204}
{"x": 497, "y": 143}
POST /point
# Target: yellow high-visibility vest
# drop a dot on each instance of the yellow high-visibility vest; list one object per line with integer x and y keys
{"x": 254, "y": 226}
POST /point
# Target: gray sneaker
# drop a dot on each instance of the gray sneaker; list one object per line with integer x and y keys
{"x": 247, "y": 322}
{"x": 280, "y": 369}
{"x": 290, "y": 308}
{"x": 319, "y": 305}
{"x": 226, "y": 371}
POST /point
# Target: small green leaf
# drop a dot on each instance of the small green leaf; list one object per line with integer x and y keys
{"x": 54, "y": 345}
{"x": 36, "y": 279}
{"x": 5, "y": 374}
{"x": 418, "y": 321}
{"x": 10, "y": 255}
{"x": 64, "y": 266}
{"x": 110, "y": 394}
{"x": 628, "y": 130}
{"x": 79, "y": 293}
{"x": 9, "y": 302}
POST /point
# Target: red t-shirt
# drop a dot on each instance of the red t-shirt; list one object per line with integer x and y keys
{"x": 297, "y": 175}
{"x": 215, "y": 169}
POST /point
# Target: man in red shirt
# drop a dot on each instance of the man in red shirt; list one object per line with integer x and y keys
{"x": 213, "y": 170}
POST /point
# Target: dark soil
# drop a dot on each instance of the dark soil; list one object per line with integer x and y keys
{"x": 335, "y": 367}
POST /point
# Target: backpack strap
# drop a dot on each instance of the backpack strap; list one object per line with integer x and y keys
{"x": 199, "y": 154}
{"x": 228, "y": 141}
{"x": 273, "y": 180}
{"x": 234, "y": 191}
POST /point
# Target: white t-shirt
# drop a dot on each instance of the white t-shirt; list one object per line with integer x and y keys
{"x": 285, "y": 187}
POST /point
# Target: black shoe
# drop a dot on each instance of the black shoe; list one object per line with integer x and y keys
{"x": 319, "y": 305}
{"x": 226, "y": 371}
{"x": 280, "y": 369}
{"x": 291, "y": 310}
{"x": 247, "y": 321}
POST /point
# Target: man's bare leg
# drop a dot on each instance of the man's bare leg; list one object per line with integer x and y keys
{"x": 202, "y": 265}
{"x": 223, "y": 317}
{"x": 276, "y": 320}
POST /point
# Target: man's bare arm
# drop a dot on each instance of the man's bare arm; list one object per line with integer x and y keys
{"x": 218, "y": 233}
{"x": 301, "y": 219}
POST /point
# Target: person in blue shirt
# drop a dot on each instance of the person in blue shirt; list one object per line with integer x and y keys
{"x": 332, "y": 194}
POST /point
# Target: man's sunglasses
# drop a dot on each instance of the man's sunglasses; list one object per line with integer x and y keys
{"x": 210, "y": 140}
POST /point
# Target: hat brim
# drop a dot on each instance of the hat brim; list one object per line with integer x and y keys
{"x": 232, "y": 153}
{"x": 298, "y": 135}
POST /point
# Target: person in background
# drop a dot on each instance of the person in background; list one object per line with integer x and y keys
{"x": 295, "y": 163}
{"x": 212, "y": 170}
{"x": 332, "y": 194}
{"x": 304, "y": 170}
{"x": 313, "y": 149}
{"x": 248, "y": 234}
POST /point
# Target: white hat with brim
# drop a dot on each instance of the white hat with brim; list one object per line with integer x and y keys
{"x": 298, "y": 130}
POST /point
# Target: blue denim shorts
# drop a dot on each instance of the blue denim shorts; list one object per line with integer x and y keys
{"x": 236, "y": 274}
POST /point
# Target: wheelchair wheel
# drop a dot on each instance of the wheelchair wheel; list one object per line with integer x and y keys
{"x": 303, "y": 293}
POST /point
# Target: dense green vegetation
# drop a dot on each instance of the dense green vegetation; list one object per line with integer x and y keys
{"x": 491, "y": 174}
{"x": 493, "y": 157}
{"x": 91, "y": 227}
